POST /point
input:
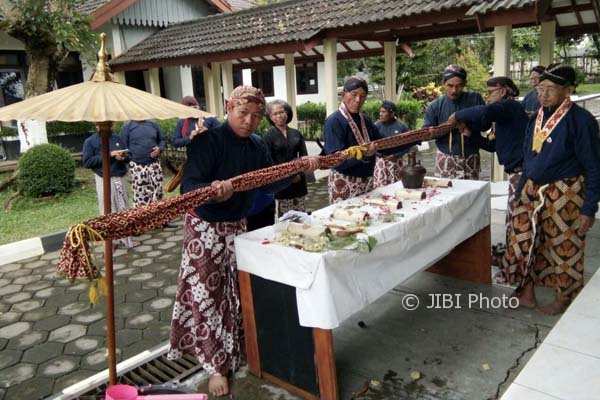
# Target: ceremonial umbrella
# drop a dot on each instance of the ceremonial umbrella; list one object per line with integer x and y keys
{"x": 101, "y": 100}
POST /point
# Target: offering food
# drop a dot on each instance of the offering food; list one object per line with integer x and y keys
{"x": 303, "y": 236}
{"x": 317, "y": 238}
{"x": 411, "y": 194}
{"x": 342, "y": 231}
{"x": 391, "y": 203}
{"x": 437, "y": 183}
{"x": 351, "y": 215}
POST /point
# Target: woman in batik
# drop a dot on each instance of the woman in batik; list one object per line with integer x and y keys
{"x": 457, "y": 156}
{"x": 207, "y": 321}
{"x": 286, "y": 144}
{"x": 348, "y": 127}
{"x": 557, "y": 196}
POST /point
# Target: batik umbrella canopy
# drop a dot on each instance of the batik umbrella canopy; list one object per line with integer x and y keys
{"x": 101, "y": 100}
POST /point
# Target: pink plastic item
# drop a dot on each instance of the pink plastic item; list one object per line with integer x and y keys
{"x": 127, "y": 392}
{"x": 174, "y": 397}
{"x": 121, "y": 392}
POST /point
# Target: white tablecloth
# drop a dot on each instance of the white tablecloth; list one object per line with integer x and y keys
{"x": 333, "y": 285}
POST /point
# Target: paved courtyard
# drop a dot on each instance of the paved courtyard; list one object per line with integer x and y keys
{"x": 50, "y": 337}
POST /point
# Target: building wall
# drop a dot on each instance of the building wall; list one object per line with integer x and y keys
{"x": 280, "y": 87}
{"x": 10, "y": 43}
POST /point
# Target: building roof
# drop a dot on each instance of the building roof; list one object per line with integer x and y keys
{"x": 237, "y": 5}
{"x": 103, "y": 10}
{"x": 300, "y": 25}
{"x": 89, "y": 6}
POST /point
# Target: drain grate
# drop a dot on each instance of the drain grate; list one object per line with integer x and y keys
{"x": 154, "y": 371}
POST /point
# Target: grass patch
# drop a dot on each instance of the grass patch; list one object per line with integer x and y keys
{"x": 37, "y": 217}
{"x": 588, "y": 88}
{"x": 30, "y": 217}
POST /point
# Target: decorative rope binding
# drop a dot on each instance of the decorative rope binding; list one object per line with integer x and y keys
{"x": 75, "y": 261}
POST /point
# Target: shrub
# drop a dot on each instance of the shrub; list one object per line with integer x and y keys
{"x": 263, "y": 127}
{"x": 46, "y": 169}
{"x": 313, "y": 117}
{"x": 6, "y": 131}
{"x": 410, "y": 111}
{"x": 55, "y": 128}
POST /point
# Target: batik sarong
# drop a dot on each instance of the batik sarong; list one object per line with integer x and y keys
{"x": 118, "y": 200}
{"x": 207, "y": 319}
{"x": 284, "y": 205}
{"x": 388, "y": 170}
{"x": 342, "y": 187}
{"x": 544, "y": 246}
{"x": 457, "y": 167}
{"x": 147, "y": 183}
{"x": 513, "y": 181}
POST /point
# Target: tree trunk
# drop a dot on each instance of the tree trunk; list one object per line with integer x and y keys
{"x": 38, "y": 76}
{"x": 38, "y": 82}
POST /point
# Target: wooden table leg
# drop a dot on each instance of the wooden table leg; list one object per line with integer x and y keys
{"x": 250, "y": 334}
{"x": 325, "y": 361}
{"x": 471, "y": 260}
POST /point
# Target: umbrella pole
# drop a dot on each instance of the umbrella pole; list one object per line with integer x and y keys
{"x": 105, "y": 132}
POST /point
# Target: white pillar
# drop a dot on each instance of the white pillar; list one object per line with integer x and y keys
{"x": 502, "y": 47}
{"x": 187, "y": 83}
{"x": 290, "y": 86}
{"x": 207, "y": 76}
{"x": 247, "y": 77}
{"x": 547, "y": 39}
{"x": 330, "y": 55}
{"x": 389, "y": 54}
{"x": 216, "y": 89}
{"x": 154, "y": 81}
{"x": 118, "y": 49}
{"x": 227, "y": 76}
{"x": 212, "y": 88}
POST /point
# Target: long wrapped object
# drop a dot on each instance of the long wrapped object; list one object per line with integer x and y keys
{"x": 75, "y": 256}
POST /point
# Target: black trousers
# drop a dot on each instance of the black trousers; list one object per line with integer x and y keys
{"x": 264, "y": 218}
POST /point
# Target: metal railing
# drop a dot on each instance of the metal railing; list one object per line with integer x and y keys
{"x": 583, "y": 102}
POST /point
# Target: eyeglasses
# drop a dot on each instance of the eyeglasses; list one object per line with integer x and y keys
{"x": 492, "y": 91}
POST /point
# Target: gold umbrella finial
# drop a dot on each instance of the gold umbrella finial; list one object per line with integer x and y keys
{"x": 102, "y": 73}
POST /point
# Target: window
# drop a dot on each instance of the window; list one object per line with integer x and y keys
{"x": 263, "y": 79}
{"x": 69, "y": 72}
{"x": 135, "y": 79}
{"x": 11, "y": 87}
{"x": 12, "y": 77}
{"x": 238, "y": 79}
{"x": 198, "y": 83}
{"x": 306, "y": 79}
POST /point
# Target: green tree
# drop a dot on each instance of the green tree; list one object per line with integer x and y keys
{"x": 49, "y": 29}
{"x": 431, "y": 57}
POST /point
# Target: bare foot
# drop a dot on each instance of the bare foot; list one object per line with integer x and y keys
{"x": 554, "y": 308}
{"x": 218, "y": 385}
{"x": 526, "y": 297}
